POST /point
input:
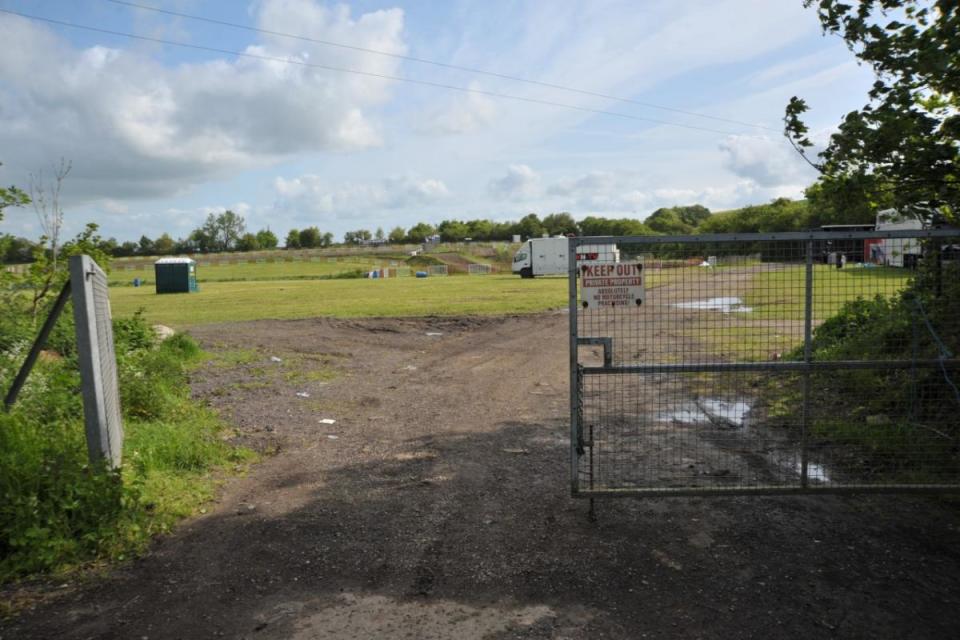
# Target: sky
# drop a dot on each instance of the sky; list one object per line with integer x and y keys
{"x": 160, "y": 135}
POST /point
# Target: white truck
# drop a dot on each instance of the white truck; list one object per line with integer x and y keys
{"x": 895, "y": 252}
{"x": 548, "y": 256}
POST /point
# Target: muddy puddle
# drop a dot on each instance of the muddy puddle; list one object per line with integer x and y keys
{"x": 727, "y": 304}
{"x": 742, "y": 429}
{"x": 816, "y": 472}
{"x": 710, "y": 411}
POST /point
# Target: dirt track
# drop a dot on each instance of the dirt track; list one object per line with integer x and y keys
{"x": 441, "y": 510}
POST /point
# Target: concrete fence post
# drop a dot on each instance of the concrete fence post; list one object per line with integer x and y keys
{"x": 98, "y": 362}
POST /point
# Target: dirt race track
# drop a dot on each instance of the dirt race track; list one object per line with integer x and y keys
{"x": 437, "y": 506}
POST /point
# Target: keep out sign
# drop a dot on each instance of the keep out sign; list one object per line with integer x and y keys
{"x": 611, "y": 285}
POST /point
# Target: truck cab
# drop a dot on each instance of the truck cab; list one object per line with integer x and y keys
{"x": 522, "y": 263}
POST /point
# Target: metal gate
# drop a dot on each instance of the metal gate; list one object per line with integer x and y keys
{"x": 765, "y": 363}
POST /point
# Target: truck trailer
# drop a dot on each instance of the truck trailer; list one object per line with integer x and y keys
{"x": 548, "y": 256}
{"x": 894, "y": 252}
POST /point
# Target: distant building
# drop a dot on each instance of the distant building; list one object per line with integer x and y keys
{"x": 829, "y": 251}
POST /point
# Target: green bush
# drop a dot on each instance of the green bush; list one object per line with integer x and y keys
{"x": 900, "y": 421}
{"x": 347, "y": 275}
{"x": 152, "y": 383}
{"x": 424, "y": 261}
{"x": 183, "y": 346}
{"x": 133, "y": 334}
{"x": 864, "y": 328}
{"x": 14, "y": 330}
{"x": 56, "y": 511}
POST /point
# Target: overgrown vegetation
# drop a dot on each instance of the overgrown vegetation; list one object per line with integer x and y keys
{"x": 57, "y": 510}
{"x": 424, "y": 261}
{"x": 898, "y": 424}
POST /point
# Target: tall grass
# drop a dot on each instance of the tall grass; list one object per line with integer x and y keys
{"x": 56, "y": 510}
{"x": 892, "y": 424}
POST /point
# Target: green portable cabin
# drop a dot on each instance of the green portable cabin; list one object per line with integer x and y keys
{"x": 175, "y": 275}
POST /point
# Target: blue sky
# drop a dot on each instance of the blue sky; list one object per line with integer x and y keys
{"x": 161, "y": 135}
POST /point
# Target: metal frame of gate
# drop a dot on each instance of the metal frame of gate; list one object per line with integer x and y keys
{"x": 800, "y": 372}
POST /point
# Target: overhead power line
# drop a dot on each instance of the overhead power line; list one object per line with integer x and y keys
{"x": 494, "y": 74}
{"x": 369, "y": 74}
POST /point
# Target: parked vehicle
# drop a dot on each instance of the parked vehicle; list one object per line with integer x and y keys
{"x": 549, "y": 256}
{"x": 894, "y": 252}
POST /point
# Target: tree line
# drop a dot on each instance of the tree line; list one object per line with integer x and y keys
{"x": 227, "y": 231}
{"x": 667, "y": 220}
{"x": 219, "y": 233}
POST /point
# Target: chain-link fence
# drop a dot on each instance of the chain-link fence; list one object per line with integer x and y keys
{"x": 765, "y": 363}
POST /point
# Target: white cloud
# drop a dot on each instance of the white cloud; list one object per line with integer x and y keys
{"x": 314, "y": 195}
{"x": 767, "y": 162}
{"x": 590, "y": 183}
{"x": 464, "y": 113}
{"x": 600, "y": 191}
{"x": 520, "y": 183}
{"x": 135, "y": 128}
{"x": 791, "y": 69}
{"x": 729, "y": 194}
{"x": 635, "y": 194}
{"x": 614, "y": 47}
{"x": 240, "y": 208}
{"x": 115, "y": 208}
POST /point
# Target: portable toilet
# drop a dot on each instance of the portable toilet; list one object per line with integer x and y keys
{"x": 175, "y": 275}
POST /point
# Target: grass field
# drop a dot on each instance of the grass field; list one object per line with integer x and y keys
{"x": 781, "y": 294}
{"x": 249, "y": 269}
{"x": 776, "y": 296}
{"x": 261, "y": 270}
{"x": 357, "y": 298}
{"x": 294, "y": 290}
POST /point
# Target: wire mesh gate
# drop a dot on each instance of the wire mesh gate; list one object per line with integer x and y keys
{"x": 765, "y": 363}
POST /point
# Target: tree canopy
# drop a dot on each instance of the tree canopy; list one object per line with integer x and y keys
{"x": 677, "y": 220}
{"x": 266, "y": 239}
{"x": 453, "y": 231}
{"x": 901, "y": 148}
{"x": 780, "y": 215}
{"x": 219, "y": 232}
{"x": 357, "y": 236}
{"x": 12, "y": 197}
{"x": 558, "y": 224}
